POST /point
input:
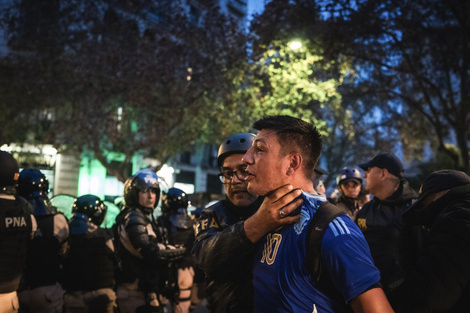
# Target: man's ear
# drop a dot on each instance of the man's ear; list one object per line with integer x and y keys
{"x": 384, "y": 173}
{"x": 295, "y": 163}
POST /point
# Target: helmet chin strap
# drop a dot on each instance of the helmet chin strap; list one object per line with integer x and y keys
{"x": 146, "y": 210}
{"x": 350, "y": 198}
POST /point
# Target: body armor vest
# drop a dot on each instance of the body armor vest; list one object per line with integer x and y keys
{"x": 43, "y": 264}
{"x": 179, "y": 230}
{"x": 89, "y": 264}
{"x": 15, "y": 233}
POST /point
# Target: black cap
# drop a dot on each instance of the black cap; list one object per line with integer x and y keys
{"x": 320, "y": 170}
{"x": 439, "y": 181}
{"x": 386, "y": 161}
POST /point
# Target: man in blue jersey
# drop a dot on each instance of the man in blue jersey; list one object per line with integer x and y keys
{"x": 221, "y": 248}
{"x": 285, "y": 152}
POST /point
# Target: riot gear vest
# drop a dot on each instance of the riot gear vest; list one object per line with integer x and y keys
{"x": 16, "y": 225}
{"x": 179, "y": 230}
{"x": 89, "y": 264}
{"x": 43, "y": 264}
{"x": 138, "y": 249}
{"x": 142, "y": 252}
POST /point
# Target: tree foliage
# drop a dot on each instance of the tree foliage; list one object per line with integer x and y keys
{"x": 312, "y": 82}
{"x": 417, "y": 55}
{"x": 401, "y": 69}
{"x": 120, "y": 77}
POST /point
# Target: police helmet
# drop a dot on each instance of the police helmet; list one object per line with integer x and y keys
{"x": 34, "y": 186}
{"x": 143, "y": 180}
{"x": 9, "y": 173}
{"x": 92, "y": 207}
{"x": 175, "y": 199}
{"x": 32, "y": 183}
{"x": 349, "y": 173}
{"x": 237, "y": 143}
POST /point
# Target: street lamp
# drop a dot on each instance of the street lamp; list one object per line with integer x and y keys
{"x": 294, "y": 45}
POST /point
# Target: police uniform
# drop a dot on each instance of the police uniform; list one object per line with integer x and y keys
{"x": 225, "y": 254}
{"x": 89, "y": 265}
{"x": 17, "y": 226}
{"x": 137, "y": 240}
{"x": 394, "y": 244}
{"x": 281, "y": 276}
{"x": 40, "y": 290}
{"x": 178, "y": 227}
{"x": 349, "y": 204}
{"x": 145, "y": 260}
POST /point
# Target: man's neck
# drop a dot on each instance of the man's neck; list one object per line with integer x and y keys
{"x": 387, "y": 190}
{"x": 304, "y": 184}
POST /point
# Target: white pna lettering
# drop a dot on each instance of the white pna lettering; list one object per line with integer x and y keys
{"x": 17, "y": 221}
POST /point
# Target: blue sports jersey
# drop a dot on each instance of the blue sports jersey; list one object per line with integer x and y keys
{"x": 280, "y": 276}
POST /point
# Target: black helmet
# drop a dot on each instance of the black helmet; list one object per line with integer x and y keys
{"x": 238, "y": 143}
{"x": 32, "y": 183}
{"x": 92, "y": 207}
{"x": 349, "y": 173}
{"x": 34, "y": 186}
{"x": 175, "y": 199}
{"x": 9, "y": 173}
{"x": 143, "y": 180}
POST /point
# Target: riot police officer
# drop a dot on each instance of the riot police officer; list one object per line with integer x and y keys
{"x": 178, "y": 228}
{"x": 143, "y": 256}
{"x": 349, "y": 182}
{"x": 17, "y": 226}
{"x": 222, "y": 249}
{"x": 40, "y": 287}
{"x": 89, "y": 265}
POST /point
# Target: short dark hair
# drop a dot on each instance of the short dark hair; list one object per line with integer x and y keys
{"x": 295, "y": 135}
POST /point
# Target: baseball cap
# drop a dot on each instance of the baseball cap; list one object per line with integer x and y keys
{"x": 439, "y": 181}
{"x": 386, "y": 161}
{"x": 435, "y": 182}
{"x": 320, "y": 170}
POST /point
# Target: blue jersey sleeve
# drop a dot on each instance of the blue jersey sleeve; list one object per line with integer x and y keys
{"x": 347, "y": 258}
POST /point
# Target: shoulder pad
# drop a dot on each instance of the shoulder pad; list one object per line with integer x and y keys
{"x": 135, "y": 217}
{"x": 217, "y": 208}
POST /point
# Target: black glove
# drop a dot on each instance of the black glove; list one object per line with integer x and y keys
{"x": 162, "y": 253}
{"x": 171, "y": 254}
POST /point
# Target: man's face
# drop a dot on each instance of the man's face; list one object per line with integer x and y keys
{"x": 267, "y": 169}
{"x": 236, "y": 190}
{"x": 373, "y": 179}
{"x": 147, "y": 199}
{"x": 350, "y": 188}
